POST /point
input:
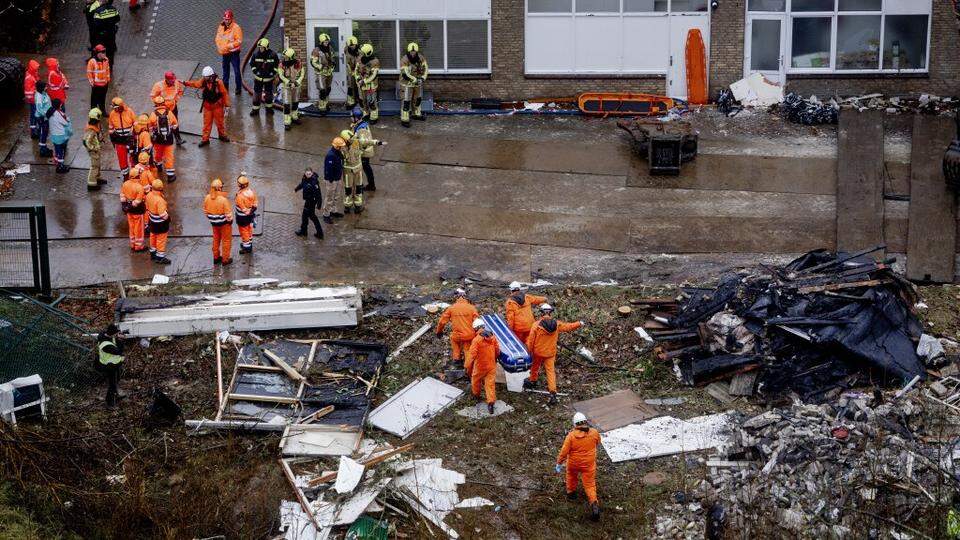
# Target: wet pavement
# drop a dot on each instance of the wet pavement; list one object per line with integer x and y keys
{"x": 508, "y": 196}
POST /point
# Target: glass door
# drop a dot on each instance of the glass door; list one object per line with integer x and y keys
{"x": 764, "y": 53}
{"x": 338, "y": 31}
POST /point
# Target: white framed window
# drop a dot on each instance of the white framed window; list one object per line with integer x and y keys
{"x": 631, "y": 37}
{"x": 460, "y": 45}
{"x": 852, "y": 36}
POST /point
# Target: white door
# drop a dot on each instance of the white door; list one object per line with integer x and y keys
{"x": 680, "y": 25}
{"x": 765, "y": 47}
{"x": 338, "y": 31}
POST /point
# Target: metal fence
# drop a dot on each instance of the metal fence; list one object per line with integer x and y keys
{"x": 38, "y": 338}
{"x": 24, "y": 255}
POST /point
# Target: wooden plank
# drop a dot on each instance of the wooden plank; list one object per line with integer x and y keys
{"x": 860, "y": 178}
{"x": 292, "y": 373}
{"x": 841, "y": 286}
{"x": 266, "y": 399}
{"x": 932, "y": 226}
{"x": 304, "y": 503}
{"x": 216, "y": 341}
{"x": 612, "y": 411}
{"x": 258, "y": 367}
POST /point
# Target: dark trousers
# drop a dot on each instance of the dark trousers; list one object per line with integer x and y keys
{"x": 98, "y": 97}
{"x": 232, "y": 60}
{"x": 43, "y": 130}
{"x": 176, "y": 132}
{"x": 33, "y": 121}
{"x": 112, "y": 373}
{"x": 310, "y": 214}
{"x": 264, "y": 89}
{"x": 368, "y": 174}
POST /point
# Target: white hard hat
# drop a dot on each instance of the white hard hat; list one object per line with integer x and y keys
{"x": 546, "y": 307}
{"x": 461, "y": 292}
{"x": 478, "y": 322}
{"x": 515, "y": 286}
{"x": 207, "y": 71}
{"x": 579, "y": 418}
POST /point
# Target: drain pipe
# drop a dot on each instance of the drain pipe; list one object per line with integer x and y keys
{"x": 263, "y": 32}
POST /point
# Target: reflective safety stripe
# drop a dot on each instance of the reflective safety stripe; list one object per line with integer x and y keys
{"x": 108, "y": 358}
{"x": 123, "y": 132}
{"x": 217, "y": 219}
{"x": 157, "y": 219}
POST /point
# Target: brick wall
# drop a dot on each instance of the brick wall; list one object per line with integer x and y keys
{"x": 508, "y": 81}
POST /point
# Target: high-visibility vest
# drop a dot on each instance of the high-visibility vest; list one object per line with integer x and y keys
{"x": 98, "y": 72}
{"x": 108, "y": 358}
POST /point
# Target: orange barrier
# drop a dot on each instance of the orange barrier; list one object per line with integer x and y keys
{"x": 623, "y": 104}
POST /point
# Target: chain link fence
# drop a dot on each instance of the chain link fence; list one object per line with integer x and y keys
{"x": 24, "y": 255}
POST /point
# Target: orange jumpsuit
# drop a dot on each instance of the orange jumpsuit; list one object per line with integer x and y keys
{"x": 218, "y": 211}
{"x": 542, "y": 344}
{"x": 460, "y": 315}
{"x": 121, "y": 126}
{"x": 580, "y": 452}
{"x": 163, "y": 135}
{"x": 246, "y": 208}
{"x": 144, "y": 142}
{"x": 520, "y": 313}
{"x": 159, "y": 222}
{"x": 145, "y": 174}
{"x": 484, "y": 350}
{"x": 215, "y": 100}
{"x": 171, "y": 94}
{"x": 131, "y": 201}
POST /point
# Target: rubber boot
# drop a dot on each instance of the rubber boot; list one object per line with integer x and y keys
{"x": 529, "y": 385}
{"x": 490, "y": 407}
{"x": 553, "y": 398}
{"x": 162, "y": 260}
{"x": 572, "y": 496}
{"x": 405, "y": 114}
{"x": 255, "y": 111}
{"x": 595, "y": 512}
{"x": 417, "y": 111}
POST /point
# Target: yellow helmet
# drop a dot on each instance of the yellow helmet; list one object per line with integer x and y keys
{"x": 243, "y": 181}
{"x": 216, "y": 184}
{"x": 158, "y": 100}
{"x": 95, "y": 114}
{"x": 346, "y": 135}
{"x": 144, "y": 158}
{"x": 366, "y": 49}
{"x": 323, "y": 37}
{"x": 289, "y": 53}
{"x": 352, "y": 40}
{"x": 157, "y": 184}
{"x": 144, "y": 119}
{"x": 413, "y": 47}
{"x": 264, "y": 42}
{"x": 338, "y": 142}
{"x": 117, "y": 101}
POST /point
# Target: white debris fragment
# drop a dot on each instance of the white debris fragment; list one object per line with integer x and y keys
{"x": 757, "y": 91}
{"x": 929, "y": 348}
{"x": 160, "y": 279}
{"x": 643, "y": 334}
{"x": 349, "y": 475}
{"x": 474, "y": 502}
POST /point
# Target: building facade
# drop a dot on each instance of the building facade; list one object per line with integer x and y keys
{"x": 525, "y": 49}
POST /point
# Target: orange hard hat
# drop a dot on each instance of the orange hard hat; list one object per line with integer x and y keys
{"x": 144, "y": 158}
{"x": 157, "y": 184}
{"x": 338, "y": 142}
{"x": 117, "y": 101}
{"x": 135, "y": 172}
{"x": 143, "y": 119}
{"x": 158, "y": 100}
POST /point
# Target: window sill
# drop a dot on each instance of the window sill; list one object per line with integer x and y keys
{"x": 590, "y": 76}
{"x": 877, "y": 75}
{"x": 459, "y": 77}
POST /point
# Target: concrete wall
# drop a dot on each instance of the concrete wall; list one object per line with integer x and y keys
{"x": 508, "y": 81}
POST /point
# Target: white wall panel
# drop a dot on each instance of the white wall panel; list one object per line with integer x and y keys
{"x": 421, "y": 8}
{"x": 467, "y": 8}
{"x": 549, "y": 48}
{"x": 594, "y": 36}
{"x": 646, "y": 44}
{"x": 330, "y": 9}
{"x": 369, "y": 8}
{"x": 908, "y": 7}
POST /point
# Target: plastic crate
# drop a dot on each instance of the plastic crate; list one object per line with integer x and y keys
{"x": 665, "y": 155}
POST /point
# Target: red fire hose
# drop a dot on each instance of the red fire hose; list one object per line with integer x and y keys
{"x": 263, "y": 32}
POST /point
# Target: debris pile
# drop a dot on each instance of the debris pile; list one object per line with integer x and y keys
{"x": 809, "y": 112}
{"x": 819, "y": 325}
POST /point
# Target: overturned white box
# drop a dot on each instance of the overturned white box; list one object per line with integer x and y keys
{"x": 23, "y": 397}
{"x": 240, "y": 311}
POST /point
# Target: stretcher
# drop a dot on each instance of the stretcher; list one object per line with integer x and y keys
{"x": 623, "y": 104}
{"x": 513, "y": 355}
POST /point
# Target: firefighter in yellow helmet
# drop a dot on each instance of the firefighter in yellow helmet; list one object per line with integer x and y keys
{"x": 351, "y": 55}
{"x": 324, "y": 61}
{"x": 413, "y": 73}
{"x": 291, "y": 75}
{"x": 367, "y": 74}
{"x": 352, "y": 172}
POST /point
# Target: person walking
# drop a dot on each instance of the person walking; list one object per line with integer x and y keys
{"x": 310, "y": 186}
{"x": 61, "y": 129}
{"x": 159, "y": 222}
{"x": 110, "y": 360}
{"x": 542, "y": 345}
{"x": 333, "y": 180}
{"x": 98, "y": 75}
{"x": 481, "y": 363}
{"x": 132, "y": 203}
{"x": 216, "y": 101}
{"x": 30, "y": 80}
{"x": 460, "y": 315}
{"x": 163, "y": 128}
{"x": 579, "y": 452}
{"x": 93, "y": 142}
{"x": 324, "y": 62}
{"x": 121, "y": 124}
{"x": 245, "y": 206}
{"x": 171, "y": 90}
{"x": 264, "y": 65}
{"x": 217, "y": 208}
{"x": 42, "y": 104}
{"x": 361, "y": 129}
{"x": 229, "y": 40}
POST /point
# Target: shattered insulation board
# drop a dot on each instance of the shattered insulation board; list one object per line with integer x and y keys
{"x": 255, "y": 383}
{"x": 240, "y": 311}
{"x": 363, "y": 359}
{"x": 348, "y": 397}
{"x": 345, "y": 512}
{"x": 667, "y": 435}
{"x": 295, "y": 524}
{"x": 294, "y": 353}
{"x": 621, "y": 408}
{"x": 434, "y": 486}
{"x": 410, "y": 408}
{"x": 319, "y": 440}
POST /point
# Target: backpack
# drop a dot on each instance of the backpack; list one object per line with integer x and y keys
{"x": 211, "y": 93}
{"x": 163, "y": 133}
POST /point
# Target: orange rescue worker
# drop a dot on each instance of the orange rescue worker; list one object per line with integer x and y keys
{"x": 121, "y": 124}
{"x": 519, "y": 308}
{"x": 218, "y": 211}
{"x": 98, "y": 75}
{"x": 30, "y": 94}
{"x": 542, "y": 344}
{"x": 245, "y": 204}
{"x": 579, "y": 451}
{"x": 132, "y": 203}
{"x": 482, "y": 363}
{"x": 171, "y": 90}
{"x": 144, "y": 171}
{"x": 461, "y": 316}
{"x": 141, "y": 132}
{"x": 163, "y": 129}
{"x": 159, "y": 223}
{"x": 215, "y": 100}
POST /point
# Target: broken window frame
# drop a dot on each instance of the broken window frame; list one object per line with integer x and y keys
{"x": 889, "y": 8}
